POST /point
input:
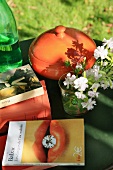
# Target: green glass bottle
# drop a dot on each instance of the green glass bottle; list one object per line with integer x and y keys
{"x": 10, "y": 53}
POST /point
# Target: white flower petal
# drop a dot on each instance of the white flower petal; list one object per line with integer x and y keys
{"x": 81, "y": 84}
{"x": 89, "y": 104}
{"x": 108, "y": 43}
{"x": 93, "y": 94}
{"x": 80, "y": 95}
{"x": 101, "y": 52}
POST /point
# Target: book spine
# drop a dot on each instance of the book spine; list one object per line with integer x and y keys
{"x": 21, "y": 97}
{"x": 13, "y": 148}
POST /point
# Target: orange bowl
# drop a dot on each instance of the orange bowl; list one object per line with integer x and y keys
{"x": 49, "y": 51}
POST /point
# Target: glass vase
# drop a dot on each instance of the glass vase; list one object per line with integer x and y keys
{"x": 72, "y": 105}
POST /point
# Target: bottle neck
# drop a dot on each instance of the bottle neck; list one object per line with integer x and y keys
{"x": 7, "y": 21}
{"x": 4, "y": 6}
{"x": 3, "y": 1}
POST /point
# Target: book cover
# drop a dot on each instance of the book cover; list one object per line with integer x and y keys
{"x": 18, "y": 85}
{"x": 45, "y": 142}
{"x": 2, "y": 146}
{"x": 31, "y": 109}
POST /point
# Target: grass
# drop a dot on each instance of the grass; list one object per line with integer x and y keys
{"x": 33, "y": 17}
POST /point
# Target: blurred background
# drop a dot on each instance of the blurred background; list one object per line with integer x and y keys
{"x": 33, "y": 17}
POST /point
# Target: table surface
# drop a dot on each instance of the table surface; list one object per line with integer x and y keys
{"x": 98, "y": 122}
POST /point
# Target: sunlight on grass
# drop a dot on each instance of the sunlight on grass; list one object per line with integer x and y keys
{"x": 92, "y": 17}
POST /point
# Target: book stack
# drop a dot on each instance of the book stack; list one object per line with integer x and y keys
{"x": 35, "y": 141}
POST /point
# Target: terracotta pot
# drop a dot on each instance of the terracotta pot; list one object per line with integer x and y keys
{"x": 48, "y": 52}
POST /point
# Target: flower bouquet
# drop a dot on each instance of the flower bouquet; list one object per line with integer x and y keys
{"x": 82, "y": 86}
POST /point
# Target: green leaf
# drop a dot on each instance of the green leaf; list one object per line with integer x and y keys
{"x": 67, "y": 63}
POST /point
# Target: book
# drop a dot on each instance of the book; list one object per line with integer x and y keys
{"x": 30, "y": 109}
{"x": 44, "y": 143}
{"x": 18, "y": 85}
{"x": 2, "y": 146}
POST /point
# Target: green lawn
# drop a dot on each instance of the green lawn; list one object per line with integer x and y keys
{"x": 94, "y": 17}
